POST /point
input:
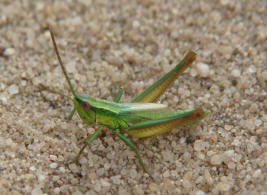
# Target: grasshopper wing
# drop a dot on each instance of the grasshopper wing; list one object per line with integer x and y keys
{"x": 137, "y": 112}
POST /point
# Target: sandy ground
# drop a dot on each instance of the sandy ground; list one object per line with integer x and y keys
{"x": 107, "y": 43}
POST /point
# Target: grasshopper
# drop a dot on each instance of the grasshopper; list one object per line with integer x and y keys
{"x": 140, "y": 118}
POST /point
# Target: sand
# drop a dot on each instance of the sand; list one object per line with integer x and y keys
{"x": 105, "y": 44}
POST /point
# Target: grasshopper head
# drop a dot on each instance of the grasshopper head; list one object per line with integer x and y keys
{"x": 84, "y": 109}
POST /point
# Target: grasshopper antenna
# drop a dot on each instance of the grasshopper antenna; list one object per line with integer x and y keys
{"x": 60, "y": 62}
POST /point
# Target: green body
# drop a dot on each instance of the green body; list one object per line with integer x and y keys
{"x": 117, "y": 115}
{"x": 142, "y": 117}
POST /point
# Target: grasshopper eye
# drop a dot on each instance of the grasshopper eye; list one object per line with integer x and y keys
{"x": 85, "y": 106}
{"x": 199, "y": 113}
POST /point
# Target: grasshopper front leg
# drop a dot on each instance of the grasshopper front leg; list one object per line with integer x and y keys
{"x": 133, "y": 147}
{"x": 89, "y": 140}
{"x": 71, "y": 114}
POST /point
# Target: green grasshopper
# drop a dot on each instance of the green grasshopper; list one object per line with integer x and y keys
{"x": 140, "y": 118}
